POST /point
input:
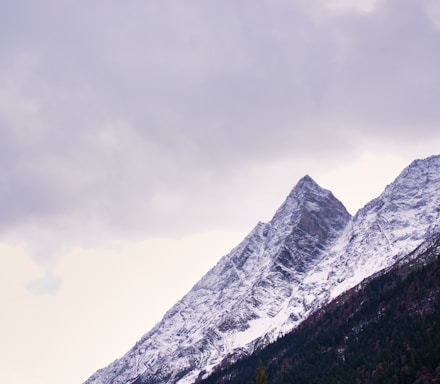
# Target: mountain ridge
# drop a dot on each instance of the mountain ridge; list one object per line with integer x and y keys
{"x": 308, "y": 253}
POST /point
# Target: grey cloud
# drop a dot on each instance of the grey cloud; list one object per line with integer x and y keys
{"x": 127, "y": 117}
{"x": 388, "y": 80}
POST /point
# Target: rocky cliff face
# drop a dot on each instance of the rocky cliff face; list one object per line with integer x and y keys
{"x": 309, "y": 252}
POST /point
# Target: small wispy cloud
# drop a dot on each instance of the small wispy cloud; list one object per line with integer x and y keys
{"x": 49, "y": 284}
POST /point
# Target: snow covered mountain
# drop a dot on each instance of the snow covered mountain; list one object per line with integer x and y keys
{"x": 311, "y": 251}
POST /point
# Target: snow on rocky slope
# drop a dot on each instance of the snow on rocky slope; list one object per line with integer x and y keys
{"x": 309, "y": 252}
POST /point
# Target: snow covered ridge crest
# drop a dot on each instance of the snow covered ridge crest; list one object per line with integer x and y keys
{"x": 310, "y": 252}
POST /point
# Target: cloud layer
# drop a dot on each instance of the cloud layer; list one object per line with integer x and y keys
{"x": 146, "y": 118}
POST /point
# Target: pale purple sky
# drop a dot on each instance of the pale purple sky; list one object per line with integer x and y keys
{"x": 148, "y": 127}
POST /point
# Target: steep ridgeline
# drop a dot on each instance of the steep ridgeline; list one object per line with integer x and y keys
{"x": 311, "y": 251}
{"x": 244, "y": 301}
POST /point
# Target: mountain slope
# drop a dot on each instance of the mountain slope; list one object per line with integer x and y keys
{"x": 386, "y": 330}
{"x": 311, "y": 251}
{"x": 243, "y": 300}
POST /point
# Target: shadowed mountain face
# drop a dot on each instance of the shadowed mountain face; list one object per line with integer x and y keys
{"x": 311, "y": 251}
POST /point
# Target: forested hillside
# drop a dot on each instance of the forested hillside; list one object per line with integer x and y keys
{"x": 387, "y": 330}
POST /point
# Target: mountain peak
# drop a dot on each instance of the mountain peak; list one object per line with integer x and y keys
{"x": 306, "y": 183}
{"x": 305, "y": 190}
{"x": 306, "y": 179}
{"x": 307, "y": 195}
{"x": 310, "y": 218}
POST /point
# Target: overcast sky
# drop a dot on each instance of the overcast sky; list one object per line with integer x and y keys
{"x": 141, "y": 140}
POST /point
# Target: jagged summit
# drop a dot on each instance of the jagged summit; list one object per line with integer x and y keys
{"x": 309, "y": 252}
{"x": 306, "y": 186}
{"x": 313, "y": 209}
{"x": 304, "y": 194}
{"x": 306, "y": 182}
